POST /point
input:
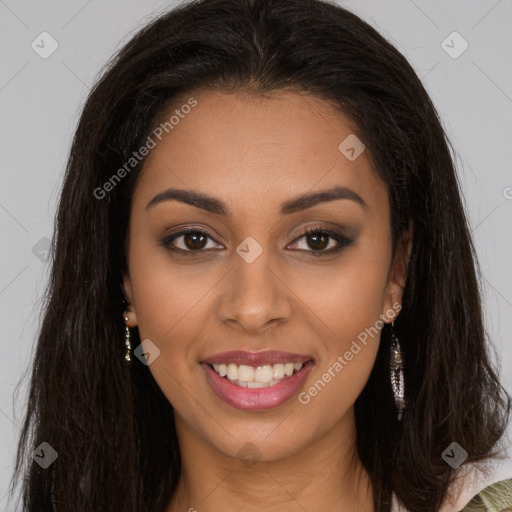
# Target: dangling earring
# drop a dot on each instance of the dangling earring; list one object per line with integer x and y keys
{"x": 127, "y": 357}
{"x": 397, "y": 373}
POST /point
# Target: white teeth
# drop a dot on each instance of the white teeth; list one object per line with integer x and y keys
{"x": 246, "y": 373}
{"x": 260, "y": 377}
{"x": 232, "y": 372}
{"x": 278, "y": 371}
{"x": 288, "y": 368}
{"x": 262, "y": 374}
{"x": 256, "y": 384}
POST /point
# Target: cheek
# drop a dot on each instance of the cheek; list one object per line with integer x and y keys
{"x": 167, "y": 295}
{"x": 169, "y": 300}
{"x": 348, "y": 349}
{"x": 347, "y": 309}
{"x": 347, "y": 298}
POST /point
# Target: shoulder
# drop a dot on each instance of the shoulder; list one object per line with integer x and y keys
{"x": 496, "y": 497}
{"x": 477, "y": 487}
{"x": 484, "y": 488}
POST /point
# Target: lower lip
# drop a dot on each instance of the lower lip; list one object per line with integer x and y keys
{"x": 256, "y": 399}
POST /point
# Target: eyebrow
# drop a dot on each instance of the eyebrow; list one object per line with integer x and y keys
{"x": 219, "y": 207}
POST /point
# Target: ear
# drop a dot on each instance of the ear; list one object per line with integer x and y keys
{"x": 128, "y": 293}
{"x": 397, "y": 276}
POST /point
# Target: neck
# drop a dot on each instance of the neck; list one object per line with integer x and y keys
{"x": 325, "y": 475}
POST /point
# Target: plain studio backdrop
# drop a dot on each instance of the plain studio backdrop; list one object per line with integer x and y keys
{"x": 460, "y": 50}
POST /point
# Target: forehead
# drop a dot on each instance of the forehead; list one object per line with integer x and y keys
{"x": 253, "y": 150}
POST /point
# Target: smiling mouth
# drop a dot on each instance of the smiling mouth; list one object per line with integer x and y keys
{"x": 257, "y": 377}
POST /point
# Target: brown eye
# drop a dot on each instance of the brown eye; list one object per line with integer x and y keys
{"x": 194, "y": 240}
{"x": 321, "y": 241}
{"x": 318, "y": 241}
{"x": 188, "y": 240}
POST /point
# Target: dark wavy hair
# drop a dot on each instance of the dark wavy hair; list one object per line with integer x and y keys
{"x": 110, "y": 423}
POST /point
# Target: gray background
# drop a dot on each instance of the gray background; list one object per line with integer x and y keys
{"x": 40, "y": 99}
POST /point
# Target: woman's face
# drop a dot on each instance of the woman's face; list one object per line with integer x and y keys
{"x": 254, "y": 282}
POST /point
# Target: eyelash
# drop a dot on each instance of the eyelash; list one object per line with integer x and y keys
{"x": 343, "y": 241}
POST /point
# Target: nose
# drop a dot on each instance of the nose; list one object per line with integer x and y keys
{"x": 255, "y": 295}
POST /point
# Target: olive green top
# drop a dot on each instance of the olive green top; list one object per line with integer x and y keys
{"x": 496, "y": 497}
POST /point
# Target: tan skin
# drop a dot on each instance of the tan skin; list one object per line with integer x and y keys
{"x": 255, "y": 153}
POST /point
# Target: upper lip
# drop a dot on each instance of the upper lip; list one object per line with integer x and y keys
{"x": 257, "y": 358}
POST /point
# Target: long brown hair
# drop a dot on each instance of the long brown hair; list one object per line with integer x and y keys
{"x": 111, "y": 425}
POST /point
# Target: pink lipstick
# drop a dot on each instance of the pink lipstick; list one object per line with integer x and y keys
{"x": 256, "y": 380}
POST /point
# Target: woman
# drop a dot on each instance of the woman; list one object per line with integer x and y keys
{"x": 264, "y": 292}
